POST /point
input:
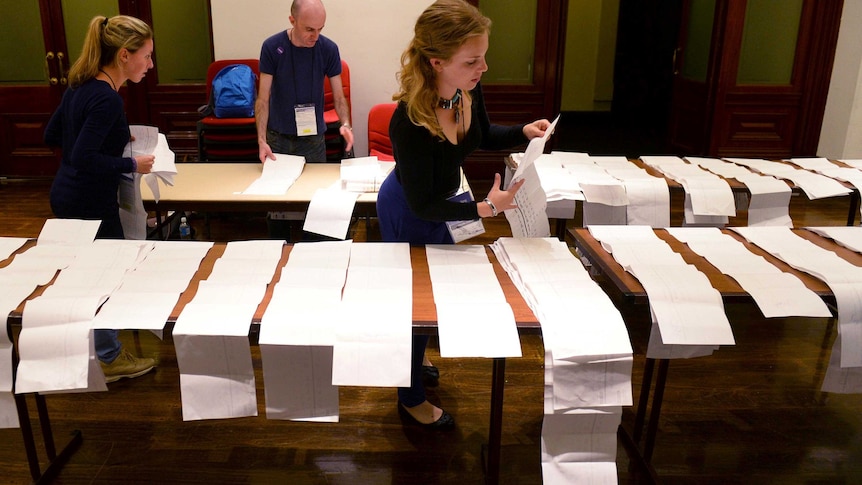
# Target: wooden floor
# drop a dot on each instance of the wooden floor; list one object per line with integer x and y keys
{"x": 751, "y": 413}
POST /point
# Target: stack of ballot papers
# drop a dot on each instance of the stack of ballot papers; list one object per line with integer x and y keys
{"x": 613, "y": 189}
{"x": 364, "y": 174}
{"x": 708, "y": 197}
{"x": 588, "y": 359}
{"x": 769, "y": 203}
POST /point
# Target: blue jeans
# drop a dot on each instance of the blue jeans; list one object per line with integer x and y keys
{"x": 313, "y": 148}
{"x": 107, "y": 341}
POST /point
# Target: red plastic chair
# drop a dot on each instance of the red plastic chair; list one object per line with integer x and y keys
{"x": 379, "y": 144}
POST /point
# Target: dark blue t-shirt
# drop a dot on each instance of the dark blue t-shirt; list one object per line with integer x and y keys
{"x": 298, "y": 74}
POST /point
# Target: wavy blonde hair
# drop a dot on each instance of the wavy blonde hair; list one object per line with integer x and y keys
{"x": 104, "y": 39}
{"x": 439, "y": 32}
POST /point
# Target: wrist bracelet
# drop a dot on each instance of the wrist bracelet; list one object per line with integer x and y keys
{"x": 492, "y": 206}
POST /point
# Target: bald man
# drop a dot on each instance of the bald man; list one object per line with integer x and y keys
{"x": 289, "y": 107}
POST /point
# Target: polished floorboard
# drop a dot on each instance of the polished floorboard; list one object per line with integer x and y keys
{"x": 749, "y": 414}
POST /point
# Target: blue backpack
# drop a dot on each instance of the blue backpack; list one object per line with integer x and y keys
{"x": 233, "y": 92}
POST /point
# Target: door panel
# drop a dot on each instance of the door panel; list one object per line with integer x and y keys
{"x": 766, "y": 81}
{"x": 689, "y": 118}
{"x": 29, "y": 85}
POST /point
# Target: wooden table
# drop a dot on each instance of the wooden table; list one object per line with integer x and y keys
{"x": 219, "y": 186}
{"x": 627, "y": 292}
{"x": 424, "y": 322}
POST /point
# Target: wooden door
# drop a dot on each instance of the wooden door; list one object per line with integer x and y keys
{"x": 757, "y": 86}
{"x": 34, "y": 60}
{"x": 42, "y": 37}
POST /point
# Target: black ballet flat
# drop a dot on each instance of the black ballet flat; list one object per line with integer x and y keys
{"x": 430, "y": 376}
{"x": 446, "y": 421}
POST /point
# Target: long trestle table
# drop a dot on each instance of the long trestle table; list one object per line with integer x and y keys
{"x": 424, "y": 322}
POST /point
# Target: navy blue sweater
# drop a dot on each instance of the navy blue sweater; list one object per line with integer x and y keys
{"x": 90, "y": 127}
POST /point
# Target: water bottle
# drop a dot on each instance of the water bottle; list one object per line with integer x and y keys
{"x": 185, "y": 229}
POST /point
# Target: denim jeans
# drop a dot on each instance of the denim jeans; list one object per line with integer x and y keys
{"x": 313, "y": 148}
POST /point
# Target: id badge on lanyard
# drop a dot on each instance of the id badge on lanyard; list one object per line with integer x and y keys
{"x": 306, "y": 119}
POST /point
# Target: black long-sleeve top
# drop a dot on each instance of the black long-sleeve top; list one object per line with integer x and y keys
{"x": 429, "y": 168}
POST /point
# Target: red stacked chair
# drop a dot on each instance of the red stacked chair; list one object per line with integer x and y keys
{"x": 334, "y": 142}
{"x": 227, "y": 139}
{"x": 379, "y": 144}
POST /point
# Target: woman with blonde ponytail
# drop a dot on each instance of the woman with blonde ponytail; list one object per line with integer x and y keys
{"x": 440, "y": 119}
{"x": 90, "y": 128}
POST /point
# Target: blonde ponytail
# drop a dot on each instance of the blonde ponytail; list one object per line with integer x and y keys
{"x": 104, "y": 39}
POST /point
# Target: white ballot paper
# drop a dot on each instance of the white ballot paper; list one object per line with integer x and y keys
{"x": 330, "y": 212}
{"x": 530, "y": 219}
{"x": 484, "y": 326}
{"x": 297, "y": 333}
{"x": 277, "y": 175}
{"x": 689, "y": 311}
{"x": 373, "y": 346}
{"x": 211, "y": 334}
{"x": 298, "y": 383}
{"x": 776, "y": 293}
{"x": 843, "y": 278}
{"x": 769, "y": 196}
{"x": 580, "y": 446}
{"x": 214, "y": 359}
{"x": 588, "y": 360}
{"x": 9, "y": 245}
{"x": 814, "y": 185}
{"x": 68, "y": 232}
{"x": 364, "y": 174}
{"x": 373, "y": 341}
{"x": 848, "y": 236}
{"x": 56, "y": 347}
